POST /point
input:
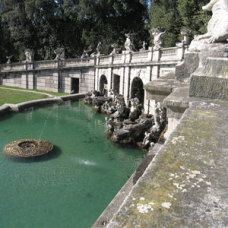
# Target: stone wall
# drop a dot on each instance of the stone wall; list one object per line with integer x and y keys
{"x": 59, "y": 75}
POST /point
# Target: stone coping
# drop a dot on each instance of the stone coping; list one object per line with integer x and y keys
{"x": 162, "y": 87}
{"x": 46, "y": 101}
{"x": 186, "y": 183}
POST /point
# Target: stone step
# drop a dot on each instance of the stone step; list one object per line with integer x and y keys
{"x": 211, "y": 81}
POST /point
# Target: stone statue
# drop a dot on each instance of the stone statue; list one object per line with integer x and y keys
{"x": 217, "y": 29}
{"x": 157, "y": 34}
{"x": 143, "y": 46}
{"x": 98, "y": 49}
{"x": 60, "y": 53}
{"x": 29, "y": 54}
{"x": 186, "y": 36}
{"x": 9, "y": 59}
{"x": 114, "y": 50}
{"x": 128, "y": 44}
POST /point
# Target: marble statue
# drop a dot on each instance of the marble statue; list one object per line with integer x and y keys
{"x": 157, "y": 34}
{"x": 60, "y": 54}
{"x": 29, "y": 54}
{"x": 217, "y": 29}
{"x": 98, "y": 49}
{"x": 9, "y": 59}
{"x": 186, "y": 36}
{"x": 114, "y": 50}
{"x": 128, "y": 44}
{"x": 143, "y": 46}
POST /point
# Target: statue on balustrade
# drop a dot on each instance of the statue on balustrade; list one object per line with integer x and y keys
{"x": 128, "y": 43}
{"x": 114, "y": 49}
{"x": 157, "y": 34}
{"x": 186, "y": 36}
{"x": 217, "y": 29}
{"x": 143, "y": 46}
{"x": 60, "y": 53}
{"x": 98, "y": 49}
{"x": 29, "y": 55}
{"x": 9, "y": 59}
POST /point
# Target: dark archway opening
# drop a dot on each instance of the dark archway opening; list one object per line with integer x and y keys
{"x": 74, "y": 85}
{"x": 116, "y": 84}
{"x": 103, "y": 85}
{"x": 137, "y": 89}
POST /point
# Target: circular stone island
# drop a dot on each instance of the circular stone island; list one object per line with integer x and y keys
{"x": 26, "y": 148}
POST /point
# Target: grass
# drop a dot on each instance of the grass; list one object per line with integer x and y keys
{"x": 36, "y": 90}
{"x": 13, "y": 97}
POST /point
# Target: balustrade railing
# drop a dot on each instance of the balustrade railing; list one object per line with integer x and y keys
{"x": 104, "y": 60}
{"x": 48, "y": 64}
{"x": 13, "y": 67}
{"x": 169, "y": 54}
{"x": 139, "y": 57}
{"x": 78, "y": 62}
{"x": 117, "y": 58}
{"x": 164, "y": 54}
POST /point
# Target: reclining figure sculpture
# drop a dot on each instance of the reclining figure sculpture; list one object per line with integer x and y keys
{"x": 217, "y": 28}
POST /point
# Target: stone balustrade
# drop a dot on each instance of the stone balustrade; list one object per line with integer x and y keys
{"x": 13, "y": 67}
{"x": 48, "y": 64}
{"x": 164, "y": 54}
{"x": 78, "y": 62}
{"x": 141, "y": 56}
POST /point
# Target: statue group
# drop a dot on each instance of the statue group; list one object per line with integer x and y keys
{"x": 127, "y": 124}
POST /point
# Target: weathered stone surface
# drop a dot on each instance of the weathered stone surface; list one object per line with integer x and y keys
{"x": 188, "y": 66}
{"x": 211, "y": 81}
{"x": 159, "y": 89}
{"x": 4, "y": 109}
{"x": 209, "y": 87}
{"x": 186, "y": 184}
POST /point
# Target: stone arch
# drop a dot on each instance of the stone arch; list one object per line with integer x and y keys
{"x": 137, "y": 89}
{"x": 103, "y": 85}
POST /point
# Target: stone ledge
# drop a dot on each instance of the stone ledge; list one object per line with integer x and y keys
{"x": 159, "y": 89}
{"x": 186, "y": 183}
{"x": 34, "y": 103}
{"x": 209, "y": 87}
{"x": 4, "y": 109}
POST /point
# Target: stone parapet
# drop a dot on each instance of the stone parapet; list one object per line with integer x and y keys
{"x": 186, "y": 183}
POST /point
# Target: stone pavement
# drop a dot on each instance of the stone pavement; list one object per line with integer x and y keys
{"x": 186, "y": 185}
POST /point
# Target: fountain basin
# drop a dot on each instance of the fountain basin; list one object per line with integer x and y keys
{"x": 26, "y": 148}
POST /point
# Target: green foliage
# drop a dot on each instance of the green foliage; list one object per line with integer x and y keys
{"x": 192, "y": 15}
{"x": 44, "y": 25}
{"x": 174, "y": 16}
{"x": 108, "y": 20}
{"x": 164, "y": 14}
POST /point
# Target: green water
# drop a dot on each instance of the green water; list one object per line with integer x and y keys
{"x": 69, "y": 187}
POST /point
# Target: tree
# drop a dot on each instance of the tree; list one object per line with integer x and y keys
{"x": 164, "y": 14}
{"x": 108, "y": 20}
{"x": 44, "y": 25}
{"x": 192, "y": 15}
{"x": 176, "y": 15}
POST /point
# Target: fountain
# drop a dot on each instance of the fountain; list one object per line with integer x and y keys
{"x": 26, "y": 148}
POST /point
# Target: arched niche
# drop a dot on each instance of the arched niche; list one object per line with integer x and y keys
{"x": 103, "y": 84}
{"x": 137, "y": 89}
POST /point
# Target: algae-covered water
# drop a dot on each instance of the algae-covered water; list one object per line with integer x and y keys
{"x": 69, "y": 187}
